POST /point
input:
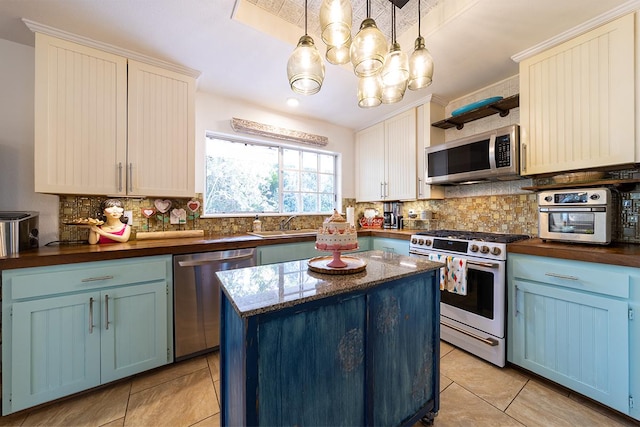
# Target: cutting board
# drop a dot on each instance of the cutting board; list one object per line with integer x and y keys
{"x": 148, "y": 235}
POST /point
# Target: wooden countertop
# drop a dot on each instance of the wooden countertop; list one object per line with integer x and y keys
{"x": 67, "y": 254}
{"x": 615, "y": 253}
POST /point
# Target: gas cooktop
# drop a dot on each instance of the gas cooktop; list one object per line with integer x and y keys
{"x": 474, "y": 235}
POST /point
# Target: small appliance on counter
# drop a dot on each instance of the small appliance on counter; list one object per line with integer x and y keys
{"x": 582, "y": 215}
{"x": 18, "y": 231}
{"x": 392, "y": 214}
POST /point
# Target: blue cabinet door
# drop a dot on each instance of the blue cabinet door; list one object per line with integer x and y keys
{"x": 312, "y": 367}
{"x": 134, "y": 331}
{"x": 55, "y": 349}
{"x": 404, "y": 359}
{"x": 576, "y": 339}
{"x": 396, "y": 246}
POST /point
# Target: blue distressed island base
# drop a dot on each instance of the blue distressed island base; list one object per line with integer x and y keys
{"x": 309, "y": 349}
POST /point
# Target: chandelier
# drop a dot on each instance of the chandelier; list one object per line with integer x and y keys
{"x": 384, "y": 71}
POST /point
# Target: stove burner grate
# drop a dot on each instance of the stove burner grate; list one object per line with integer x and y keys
{"x": 475, "y": 235}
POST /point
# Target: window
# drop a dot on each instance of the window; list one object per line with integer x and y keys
{"x": 250, "y": 177}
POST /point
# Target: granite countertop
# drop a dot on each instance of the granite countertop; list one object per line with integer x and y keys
{"x": 53, "y": 255}
{"x": 267, "y": 288}
{"x": 622, "y": 254}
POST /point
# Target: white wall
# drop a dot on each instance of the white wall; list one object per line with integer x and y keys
{"x": 16, "y": 139}
{"x": 214, "y": 113}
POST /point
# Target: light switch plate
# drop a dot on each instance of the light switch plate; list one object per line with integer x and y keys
{"x": 129, "y": 214}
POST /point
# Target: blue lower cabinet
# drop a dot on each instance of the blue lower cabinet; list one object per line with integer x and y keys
{"x": 59, "y": 341}
{"x": 364, "y": 358}
{"x": 396, "y": 246}
{"x": 571, "y": 322}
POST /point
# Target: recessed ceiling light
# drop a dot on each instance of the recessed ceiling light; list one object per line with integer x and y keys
{"x": 293, "y": 102}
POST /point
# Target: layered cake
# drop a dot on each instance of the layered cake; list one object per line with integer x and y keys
{"x": 336, "y": 235}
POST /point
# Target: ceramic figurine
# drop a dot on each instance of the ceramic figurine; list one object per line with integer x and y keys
{"x": 115, "y": 228}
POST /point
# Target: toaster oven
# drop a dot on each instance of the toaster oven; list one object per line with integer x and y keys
{"x": 18, "y": 231}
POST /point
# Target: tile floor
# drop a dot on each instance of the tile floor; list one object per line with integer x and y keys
{"x": 473, "y": 393}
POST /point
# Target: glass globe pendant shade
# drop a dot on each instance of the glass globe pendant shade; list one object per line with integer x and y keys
{"x": 368, "y": 49}
{"x": 369, "y": 91}
{"x": 339, "y": 55}
{"x": 420, "y": 66}
{"x": 335, "y": 21}
{"x": 396, "y": 67}
{"x": 305, "y": 68}
{"x": 393, "y": 93}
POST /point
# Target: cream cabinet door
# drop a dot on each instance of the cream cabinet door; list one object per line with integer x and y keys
{"x": 370, "y": 164}
{"x": 577, "y": 102}
{"x": 400, "y": 155}
{"x": 161, "y": 136}
{"x": 427, "y": 136}
{"x": 80, "y": 118}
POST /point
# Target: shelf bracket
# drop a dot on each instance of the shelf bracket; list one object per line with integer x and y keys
{"x": 501, "y": 111}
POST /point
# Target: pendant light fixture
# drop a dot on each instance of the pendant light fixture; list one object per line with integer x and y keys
{"x": 339, "y": 55}
{"x": 369, "y": 91}
{"x": 305, "y": 68}
{"x": 335, "y": 22}
{"x": 420, "y": 63}
{"x": 368, "y": 48}
{"x": 395, "y": 71}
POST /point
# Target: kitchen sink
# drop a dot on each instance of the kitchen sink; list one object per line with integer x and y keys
{"x": 284, "y": 233}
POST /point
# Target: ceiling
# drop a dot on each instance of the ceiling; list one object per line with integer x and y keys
{"x": 471, "y": 41}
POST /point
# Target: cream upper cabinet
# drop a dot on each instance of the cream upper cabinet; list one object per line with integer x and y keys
{"x": 80, "y": 118}
{"x": 577, "y": 102}
{"x": 161, "y": 136}
{"x": 386, "y": 160}
{"x": 428, "y": 136}
{"x": 370, "y": 163}
{"x": 103, "y": 129}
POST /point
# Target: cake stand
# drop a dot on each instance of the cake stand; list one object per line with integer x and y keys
{"x": 337, "y": 263}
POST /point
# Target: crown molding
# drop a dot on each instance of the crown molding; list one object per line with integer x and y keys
{"x": 615, "y": 13}
{"x": 37, "y": 27}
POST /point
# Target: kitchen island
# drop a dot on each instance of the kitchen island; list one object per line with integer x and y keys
{"x": 306, "y": 348}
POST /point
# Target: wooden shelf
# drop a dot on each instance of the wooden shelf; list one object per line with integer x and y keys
{"x": 599, "y": 183}
{"x": 501, "y": 107}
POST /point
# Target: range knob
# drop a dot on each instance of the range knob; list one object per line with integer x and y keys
{"x": 421, "y": 242}
{"x": 495, "y": 251}
{"x": 414, "y": 241}
{"x": 595, "y": 196}
{"x": 548, "y": 198}
{"x": 484, "y": 249}
{"x": 474, "y": 248}
{"x": 427, "y": 242}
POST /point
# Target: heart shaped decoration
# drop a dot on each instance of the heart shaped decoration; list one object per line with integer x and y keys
{"x": 178, "y": 213}
{"x": 148, "y": 212}
{"x": 193, "y": 205}
{"x": 162, "y": 205}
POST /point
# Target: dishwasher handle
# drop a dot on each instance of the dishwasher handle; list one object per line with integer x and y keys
{"x": 216, "y": 257}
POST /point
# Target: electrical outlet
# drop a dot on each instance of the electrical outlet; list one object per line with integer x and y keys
{"x": 129, "y": 214}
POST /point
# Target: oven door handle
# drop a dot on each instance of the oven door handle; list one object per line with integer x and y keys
{"x": 489, "y": 341}
{"x": 483, "y": 264}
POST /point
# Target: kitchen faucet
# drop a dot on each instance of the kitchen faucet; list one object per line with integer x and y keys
{"x": 285, "y": 224}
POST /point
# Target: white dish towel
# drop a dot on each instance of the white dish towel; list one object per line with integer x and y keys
{"x": 443, "y": 270}
{"x": 456, "y": 281}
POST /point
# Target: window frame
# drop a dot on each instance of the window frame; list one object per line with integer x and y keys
{"x": 280, "y": 146}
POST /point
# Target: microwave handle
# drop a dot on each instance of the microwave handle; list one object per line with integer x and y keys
{"x": 523, "y": 166}
{"x": 492, "y": 152}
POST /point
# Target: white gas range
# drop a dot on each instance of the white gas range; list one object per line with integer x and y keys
{"x": 474, "y": 320}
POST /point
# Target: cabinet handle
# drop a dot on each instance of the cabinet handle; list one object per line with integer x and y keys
{"x": 419, "y": 187}
{"x": 130, "y": 179}
{"x": 96, "y": 279}
{"x": 382, "y": 190}
{"x": 561, "y": 276}
{"x": 119, "y": 177}
{"x": 515, "y": 301}
{"x": 106, "y": 309}
{"x": 91, "y": 315}
{"x": 523, "y": 166}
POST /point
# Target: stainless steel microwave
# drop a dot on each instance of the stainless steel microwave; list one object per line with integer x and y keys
{"x": 583, "y": 215}
{"x": 488, "y": 156}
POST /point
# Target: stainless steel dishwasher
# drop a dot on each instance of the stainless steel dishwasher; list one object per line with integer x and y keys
{"x": 196, "y": 298}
